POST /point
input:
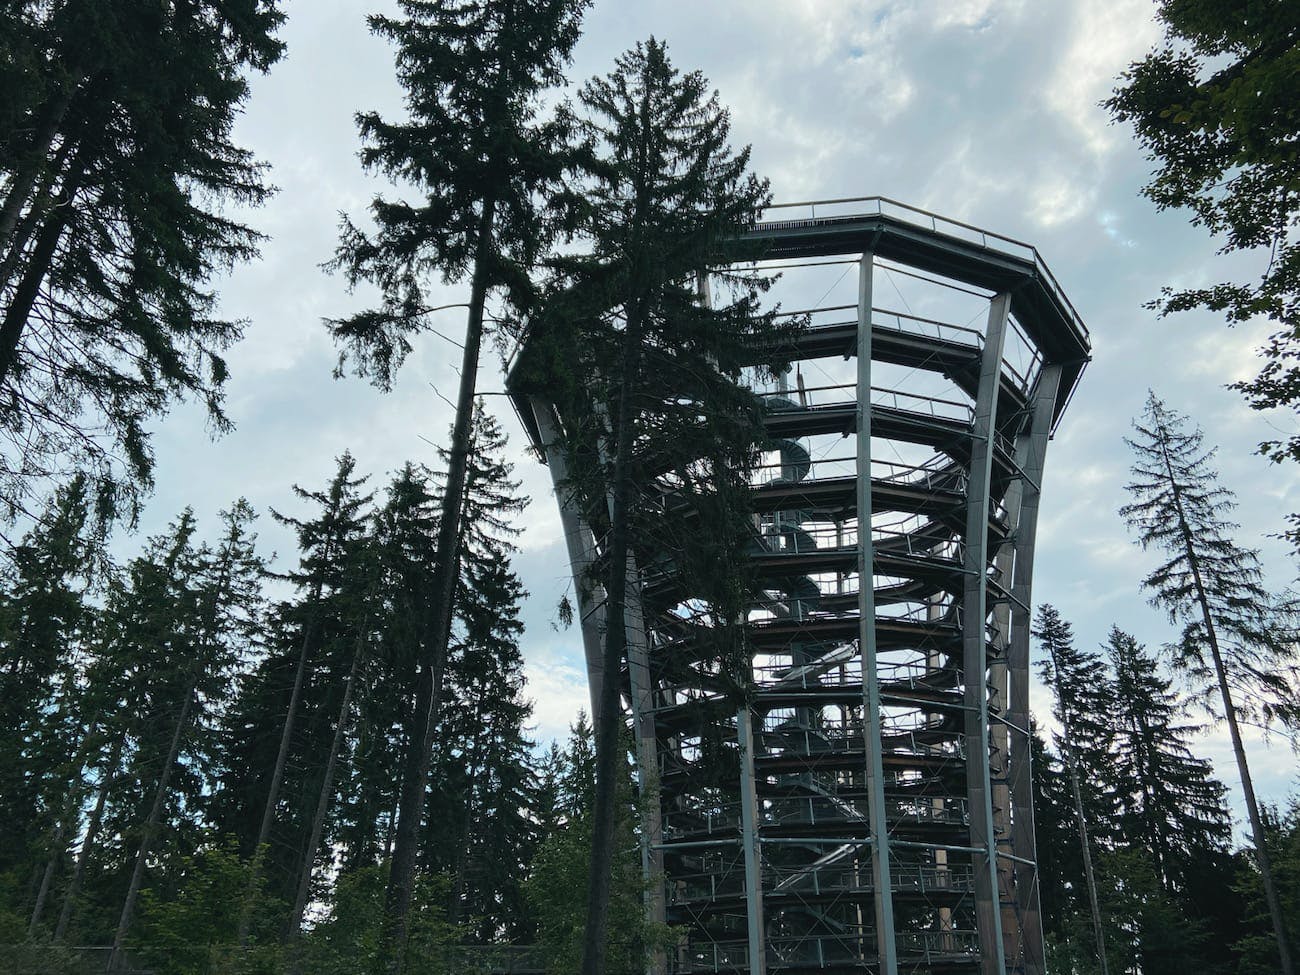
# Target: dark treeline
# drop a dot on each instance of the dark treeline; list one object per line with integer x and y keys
{"x": 1174, "y": 892}
{"x": 201, "y": 751}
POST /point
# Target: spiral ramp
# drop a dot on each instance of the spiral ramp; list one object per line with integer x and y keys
{"x": 808, "y": 746}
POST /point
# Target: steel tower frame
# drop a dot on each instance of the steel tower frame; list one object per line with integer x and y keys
{"x": 880, "y": 817}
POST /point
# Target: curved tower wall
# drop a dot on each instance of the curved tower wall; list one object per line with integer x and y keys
{"x": 875, "y": 808}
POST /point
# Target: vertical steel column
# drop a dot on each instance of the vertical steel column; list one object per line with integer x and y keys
{"x": 581, "y": 546}
{"x": 647, "y": 761}
{"x": 582, "y": 552}
{"x": 1030, "y": 455}
{"x": 1000, "y": 731}
{"x": 974, "y": 613}
{"x": 886, "y": 944}
{"x": 757, "y": 940}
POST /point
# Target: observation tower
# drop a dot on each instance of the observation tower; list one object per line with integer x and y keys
{"x": 876, "y": 814}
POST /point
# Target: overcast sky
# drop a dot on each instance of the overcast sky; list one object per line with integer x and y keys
{"x": 986, "y": 111}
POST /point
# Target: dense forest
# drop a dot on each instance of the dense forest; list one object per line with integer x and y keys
{"x": 211, "y": 761}
{"x": 203, "y": 759}
{"x": 204, "y": 751}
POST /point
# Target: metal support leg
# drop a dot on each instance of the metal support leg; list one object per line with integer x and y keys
{"x": 1000, "y": 734}
{"x": 974, "y": 665}
{"x": 749, "y": 841}
{"x": 1031, "y": 454}
{"x": 591, "y": 612}
{"x": 647, "y": 763}
{"x": 886, "y": 945}
{"x": 582, "y": 553}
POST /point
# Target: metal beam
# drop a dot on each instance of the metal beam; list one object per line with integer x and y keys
{"x": 886, "y": 946}
{"x": 647, "y": 762}
{"x": 1031, "y": 455}
{"x": 749, "y": 843}
{"x": 581, "y": 546}
{"x": 1000, "y": 732}
{"x": 974, "y": 613}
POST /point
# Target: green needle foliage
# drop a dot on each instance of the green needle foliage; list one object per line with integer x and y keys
{"x": 116, "y": 167}
{"x": 1216, "y": 109}
{"x": 645, "y": 370}
{"x": 1232, "y": 645}
{"x": 1171, "y": 805}
{"x": 1082, "y": 692}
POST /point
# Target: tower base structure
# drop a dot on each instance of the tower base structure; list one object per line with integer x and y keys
{"x": 875, "y": 813}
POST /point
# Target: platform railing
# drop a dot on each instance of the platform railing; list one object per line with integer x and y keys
{"x": 825, "y": 951}
{"x": 811, "y": 811}
{"x": 846, "y": 208}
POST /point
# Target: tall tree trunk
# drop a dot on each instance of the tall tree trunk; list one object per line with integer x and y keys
{"x": 151, "y": 827}
{"x": 277, "y": 773}
{"x": 397, "y": 902}
{"x": 458, "y": 884}
{"x": 1085, "y": 847}
{"x": 65, "y": 827}
{"x": 51, "y": 866}
{"x": 20, "y": 189}
{"x": 88, "y": 842}
{"x": 1257, "y": 833}
{"x": 40, "y": 207}
{"x": 322, "y": 805}
{"x": 604, "y": 817}
{"x": 38, "y": 267}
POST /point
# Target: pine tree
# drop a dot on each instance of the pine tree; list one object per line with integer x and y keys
{"x": 289, "y": 698}
{"x": 46, "y": 618}
{"x": 1082, "y": 691}
{"x": 645, "y": 370}
{"x": 482, "y": 787}
{"x": 201, "y": 612}
{"x": 117, "y": 164}
{"x": 1213, "y": 587}
{"x": 1171, "y": 805}
{"x": 476, "y": 147}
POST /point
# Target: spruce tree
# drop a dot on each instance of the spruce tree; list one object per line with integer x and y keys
{"x": 555, "y": 888}
{"x": 645, "y": 370}
{"x": 358, "y": 621}
{"x": 481, "y": 791}
{"x": 1213, "y": 587}
{"x": 200, "y": 613}
{"x": 404, "y": 532}
{"x": 289, "y": 699}
{"x": 46, "y": 621}
{"x": 475, "y": 146}
{"x": 1171, "y": 806}
{"x": 1253, "y": 949}
{"x": 1056, "y": 842}
{"x": 1082, "y": 693}
{"x": 117, "y": 166}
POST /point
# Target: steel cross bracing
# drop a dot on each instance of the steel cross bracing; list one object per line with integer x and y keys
{"x": 869, "y": 808}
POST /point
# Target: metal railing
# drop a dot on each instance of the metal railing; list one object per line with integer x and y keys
{"x": 843, "y": 395}
{"x": 847, "y": 208}
{"x": 821, "y": 810}
{"x": 820, "y": 951}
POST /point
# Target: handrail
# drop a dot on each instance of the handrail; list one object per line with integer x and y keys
{"x": 987, "y": 239}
